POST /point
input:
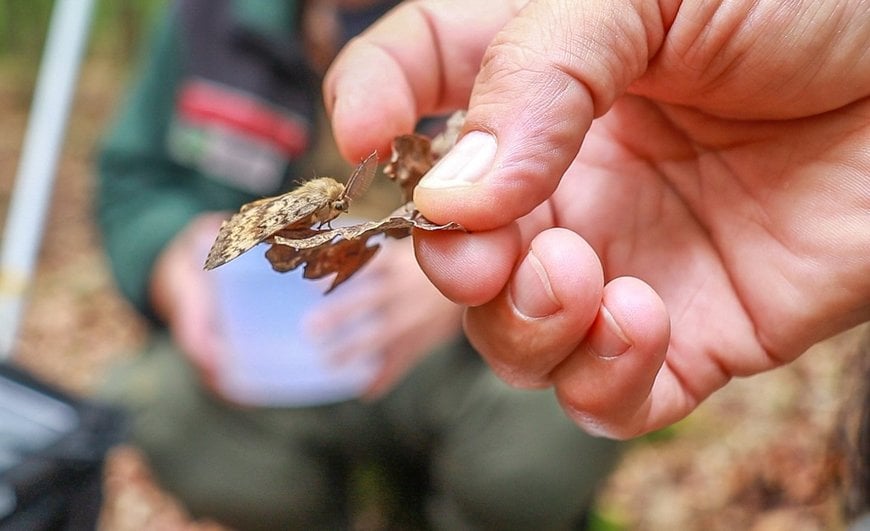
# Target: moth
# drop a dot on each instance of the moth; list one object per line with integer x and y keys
{"x": 317, "y": 201}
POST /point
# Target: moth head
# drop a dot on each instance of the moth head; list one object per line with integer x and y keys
{"x": 341, "y": 204}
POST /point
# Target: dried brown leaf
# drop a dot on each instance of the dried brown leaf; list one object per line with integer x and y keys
{"x": 343, "y": 250}
{"x": 411, "y": 158}
{"x": 343, "y": 257}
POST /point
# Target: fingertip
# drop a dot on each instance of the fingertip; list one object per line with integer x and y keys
{"x": 420, "y": 59}
{"x": 365, "y": 112}
{"x": 606, "y": 385}
{"x": 468, "y": 268}
{"x": 568, "y": 273}
{"x": 541, "y": 317}
{"x": 638, "y": 312}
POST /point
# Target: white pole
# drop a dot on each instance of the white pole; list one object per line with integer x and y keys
{"x": 43, "y": 141}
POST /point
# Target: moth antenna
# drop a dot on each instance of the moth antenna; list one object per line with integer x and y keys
{"x": 361, "y": 177}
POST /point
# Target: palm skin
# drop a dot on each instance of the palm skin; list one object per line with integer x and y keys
{"x": 752, "y": 250}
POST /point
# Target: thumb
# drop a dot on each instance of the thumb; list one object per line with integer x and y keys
{"x": 549, "y": 71}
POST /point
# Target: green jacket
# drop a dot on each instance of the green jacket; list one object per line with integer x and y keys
{"x": 180, "y": 145}
{"x": 221, "y": 110}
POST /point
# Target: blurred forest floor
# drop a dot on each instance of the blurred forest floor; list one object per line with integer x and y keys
{"x": 761, "y": 454}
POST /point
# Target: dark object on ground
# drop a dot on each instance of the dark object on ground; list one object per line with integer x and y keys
{"x": 52, "y": 449}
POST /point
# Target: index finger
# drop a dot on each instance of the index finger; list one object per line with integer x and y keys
{"x": 420, "y": 59}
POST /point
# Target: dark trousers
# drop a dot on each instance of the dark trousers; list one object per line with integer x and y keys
{"x": 466, "y": 451}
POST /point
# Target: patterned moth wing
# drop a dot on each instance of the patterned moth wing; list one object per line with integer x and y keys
{"x": 341, "y": 257}
{"x": 317, "y": 201}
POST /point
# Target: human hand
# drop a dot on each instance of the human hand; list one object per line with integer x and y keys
{"x": 715, "y": 224}
{"x": 391, "y": 308}
{"x": 183, "y": 296}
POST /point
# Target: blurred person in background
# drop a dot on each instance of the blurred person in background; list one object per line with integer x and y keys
{"x": 222, "y": 112}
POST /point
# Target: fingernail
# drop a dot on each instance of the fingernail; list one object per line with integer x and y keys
{"x": 531, "y": 292}
{"x": 590, "y": 424}
{"x": 607, "y": 340}
{"x": 467, "y": 162}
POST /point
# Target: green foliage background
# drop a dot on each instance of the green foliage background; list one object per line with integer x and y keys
{"x": 118, "y": 28}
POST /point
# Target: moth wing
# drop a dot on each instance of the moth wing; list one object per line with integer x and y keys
{"x": 362, "y": 177}
{"x": 257, "y": 221}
